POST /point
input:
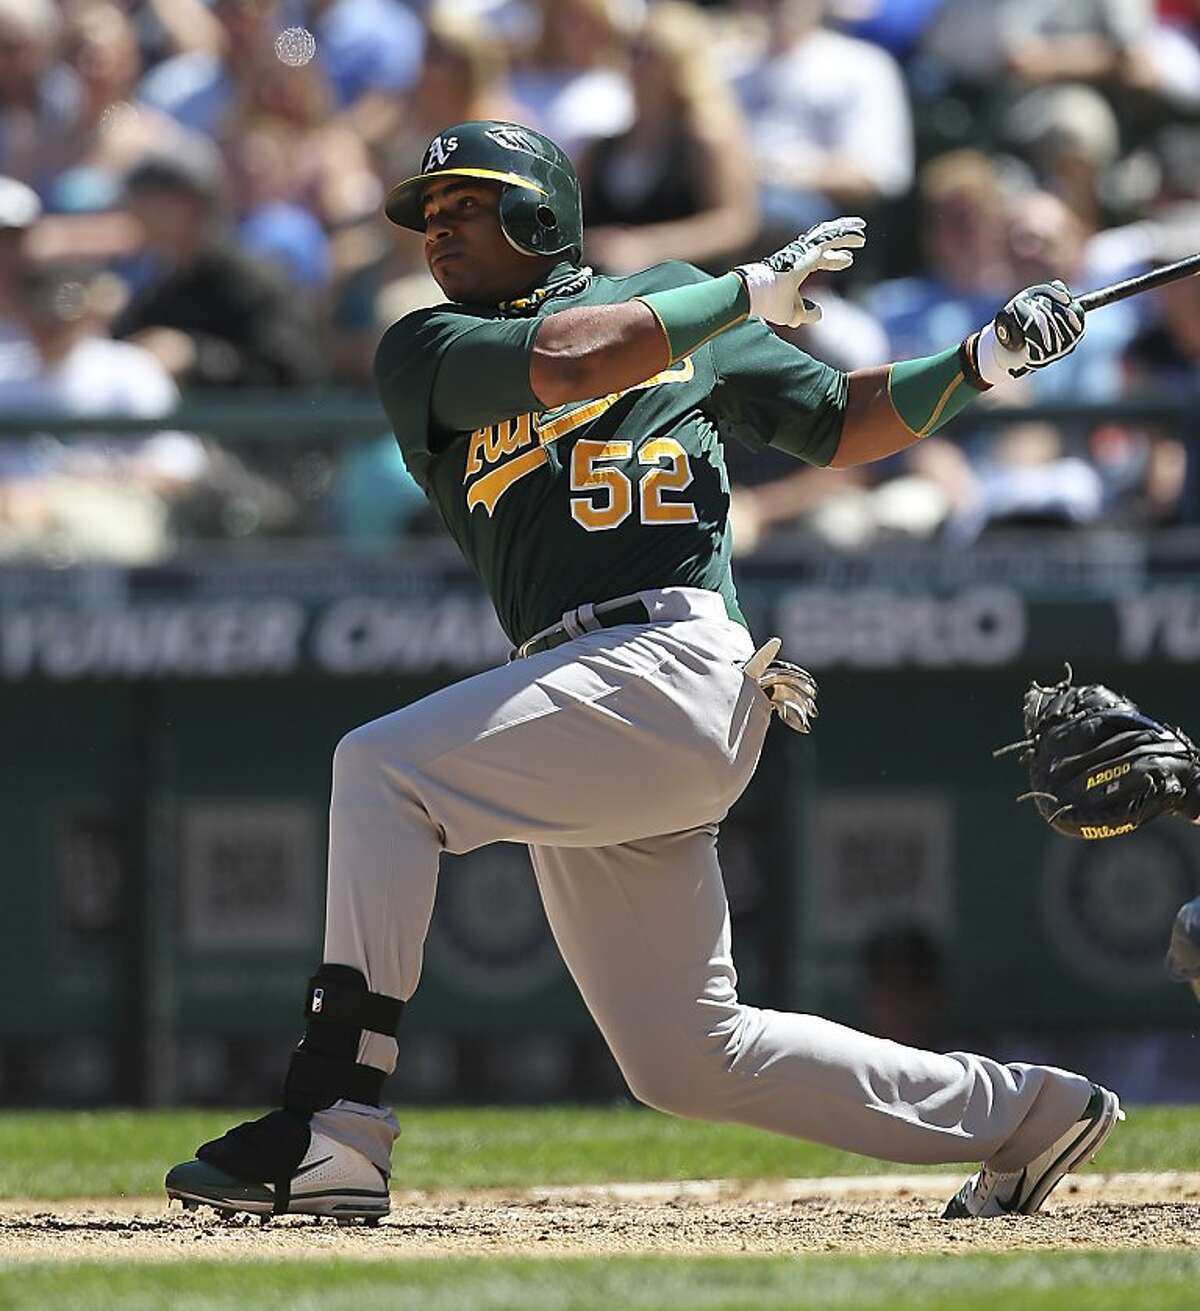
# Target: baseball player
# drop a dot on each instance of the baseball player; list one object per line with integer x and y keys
{"x": 569, "y": 430}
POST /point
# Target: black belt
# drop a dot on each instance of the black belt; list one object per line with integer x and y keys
{"x": 607, "y": 614}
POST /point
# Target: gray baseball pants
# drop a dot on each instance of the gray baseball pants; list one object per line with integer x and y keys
{"x": 614, "y": 757}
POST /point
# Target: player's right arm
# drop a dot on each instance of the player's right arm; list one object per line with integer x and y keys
{"x": 592, "y": 351}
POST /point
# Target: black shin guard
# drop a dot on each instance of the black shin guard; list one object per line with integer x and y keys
{"x": 325, "y": 1066}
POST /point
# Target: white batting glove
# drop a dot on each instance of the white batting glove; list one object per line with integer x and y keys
{"x": 793, "y": 693}
{"x": 774, "y": 283}
{"x": 1049, "y": 324}
{"x": 791, "y": 690}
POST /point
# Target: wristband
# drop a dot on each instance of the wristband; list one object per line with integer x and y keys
{"x": 927, "y": 393}
{"x": 691, "y": 315}
{"x": 759, "y": 278}
{"x": 996, "y": 363}
{"x": 968, "y": 360}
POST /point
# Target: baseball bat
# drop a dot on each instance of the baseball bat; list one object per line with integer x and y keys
{"x": 1008, "y": 330}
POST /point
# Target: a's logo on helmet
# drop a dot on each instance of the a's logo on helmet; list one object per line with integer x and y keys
{"x": 512, "y": 138}
{"x": 440, "y": 150}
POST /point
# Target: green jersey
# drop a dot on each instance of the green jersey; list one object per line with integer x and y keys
{"x": 599, "y": 498}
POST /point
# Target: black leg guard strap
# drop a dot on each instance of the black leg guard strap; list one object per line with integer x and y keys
{"x": 324, "y": 1066}
{"x": 267, "y": 1150}
{"x": 315, "y": 1081}
{"x": 338, "y": 993}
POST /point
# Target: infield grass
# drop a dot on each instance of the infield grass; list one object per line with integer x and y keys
{"x": 48, "y": 1155}
{"x": 1164, "y": 1281}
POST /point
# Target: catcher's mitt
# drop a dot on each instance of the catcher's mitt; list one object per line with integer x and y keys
{"x": 1098, "y": 766}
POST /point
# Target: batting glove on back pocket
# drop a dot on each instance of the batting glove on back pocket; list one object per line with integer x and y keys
{"x": 791, "y": 690}
{"x": 774, "y": 283}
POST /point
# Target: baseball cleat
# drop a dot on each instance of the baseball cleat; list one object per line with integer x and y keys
{"x": 1022, "y": 1192}
{"x": 330, "y": 1180}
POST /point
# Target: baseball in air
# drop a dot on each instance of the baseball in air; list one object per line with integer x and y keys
{"x": 295, "y": 46}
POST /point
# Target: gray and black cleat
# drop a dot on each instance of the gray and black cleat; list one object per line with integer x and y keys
{"x": 1022, "y": 1192}
{"x": 327, "y": 1179}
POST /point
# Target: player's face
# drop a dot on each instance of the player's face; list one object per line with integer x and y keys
{"x": 466, "y": 249}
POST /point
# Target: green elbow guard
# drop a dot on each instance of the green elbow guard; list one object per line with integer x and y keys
{"x": 691, "y": 315}
{"x": 928, "y": 393}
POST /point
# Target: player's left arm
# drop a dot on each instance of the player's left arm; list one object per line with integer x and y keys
{"x": 891, "y": 408}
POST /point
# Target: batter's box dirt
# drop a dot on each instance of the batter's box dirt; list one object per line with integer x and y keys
{"x": 884, "y": 1214}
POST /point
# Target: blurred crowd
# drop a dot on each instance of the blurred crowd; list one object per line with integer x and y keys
{"x": 190, "y": 203}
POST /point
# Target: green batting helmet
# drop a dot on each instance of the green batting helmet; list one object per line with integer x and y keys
{"x": 540, "y": 209}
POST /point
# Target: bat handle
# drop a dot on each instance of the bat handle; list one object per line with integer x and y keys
{"x": 1008, "y": 331}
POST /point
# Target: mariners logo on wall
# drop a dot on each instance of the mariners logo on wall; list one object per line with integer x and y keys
{"x": 1108, "y": 906}
{"x": 440, "y": 150}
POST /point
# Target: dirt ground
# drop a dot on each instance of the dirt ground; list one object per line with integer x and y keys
{"x": 884, "y": 1214}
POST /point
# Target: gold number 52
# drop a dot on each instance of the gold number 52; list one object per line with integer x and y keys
{"x": 606, "y": 494}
